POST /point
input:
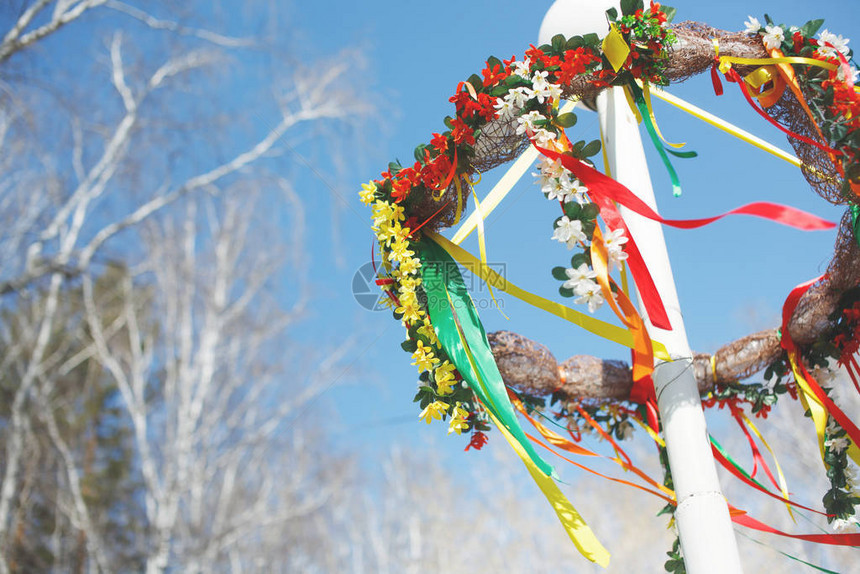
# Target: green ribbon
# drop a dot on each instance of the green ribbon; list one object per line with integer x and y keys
{"x": 639, "y": 98}
{"x": 462, "y": 336}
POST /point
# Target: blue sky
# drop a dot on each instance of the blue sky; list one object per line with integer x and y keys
{"x": 732, "y": 276}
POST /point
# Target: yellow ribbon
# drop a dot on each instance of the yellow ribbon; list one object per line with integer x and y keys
{"x": 600, "y": 328}
{"x": 632, "y": 104}
{"x": 578, "y": 531}
{"x": 816, "y": 409}
{"x": 646, "y": 90}
{"x": 783, "y": 485}
{"x": 727, "y": 61}
{"x": 482, "y": 247}
{"x": 727, "y": 127}
{"x": 651, "y": 432}
{"x": 761, "y": 76}
{"x": 459, "y": 211}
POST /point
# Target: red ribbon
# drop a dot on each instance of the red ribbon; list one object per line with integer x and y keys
{"x": 605, "y": 190}
{"x": 735, "y": 77}
{"x": 832, "y": 539}
{"x": 719, "y": 457}
{"x": 789, "y": 345}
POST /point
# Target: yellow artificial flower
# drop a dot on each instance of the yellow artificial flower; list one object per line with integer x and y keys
{"x": 400, "y": 250}
{"x": 409, "y": 266}
{"x": 411, "y": 312}
{"x": 409, "y": 283}
{"x": 367, "y": 192}
{"x": 427, "y": 330}
{"x": 458, "y": 420}
{"x": 433, "y": 411}
{"x": 425, "y": 358}
{"x": 444, "y": 377}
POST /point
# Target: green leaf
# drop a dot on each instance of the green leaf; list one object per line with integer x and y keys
{"x": 612, "y": 13}
{"x": 572, "y": 210}
{"x": 409, "y": 345}
{"x": 419, "y": 152}
{"x": 590, "y": 211}
{"x": 811, "y": 28}
{"x": 629, "y": 7}
{"x": 670, "y": 12}
{"x": 492, "y": 62}
{"x": 559, "y": 273}
{"x": 565, "y": 292}
{"x": 476, "y": 82}
{"x": 580, "y": 258}
{"x": 567, "y": 120}
{"x": 592, "y": 148}
{"x": 499, "y": 91}
{"x": 591, "y": 39}
{"x": 558, "y": 42}
{"x": 574, "y": 42}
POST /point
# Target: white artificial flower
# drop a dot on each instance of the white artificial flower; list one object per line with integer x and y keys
{"x": 842, "y": 524}
{"x": 573, "y": 190}
{"x": 581, "y": 275}
{"x": 837, "y": 445}
{"x": 527, "y": 122}
{"x": 504, "y": 108}
{"x": 539, "y": 80}
{"x": 753, "y": 25}
{"x": 543, "y": 137}
{"x": 614, "y": 242}
{"x": 540, "y": 86}
{"x": 555, "y": 189}
{"x": 773, "y": 37}
{"x": 518, "y": 97}
{"x": 522, "y": 69}
{"x": 554, "y": 93}
{"x": 850, "y": 478}
{"x": 569, "y": 232}
{"x": 552, "y": 167}
{"x": 836, "y": 43}
{"x": 589, "y": 293}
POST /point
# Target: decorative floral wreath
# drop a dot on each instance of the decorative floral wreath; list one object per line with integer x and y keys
{"x": 409, "y": 202}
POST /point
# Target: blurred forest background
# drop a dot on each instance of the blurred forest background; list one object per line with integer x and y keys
{"x": 159, "y": 389}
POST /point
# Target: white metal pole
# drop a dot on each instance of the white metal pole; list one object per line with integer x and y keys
{"x": 704, "y": 525}
{"x": 702, "y": 517}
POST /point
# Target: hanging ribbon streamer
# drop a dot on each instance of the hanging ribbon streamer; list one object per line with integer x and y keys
{"x": 462, "y": 335}
{"x": 600, "y": 328}
{"x": 812, "y": 395}
{"x": 604, "y": 191}
{"x": 578, "y": 531}
{"x": 727, "y": 462}
{"x": 733, "y": 76}
{"x": 560, "y": 442}
{"x": 831, "y": 539}
{"x": 482, "y": 246}
{"x": 647, "y": 117}
{"x": 643, "y": 354}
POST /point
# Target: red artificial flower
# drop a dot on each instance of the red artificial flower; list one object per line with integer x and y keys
{"x": 534, "y": 54}
{"x": 493, "y": 76}
{"x": 439, "y": 142}
{"x": 797, "y": 37}
{"x": 462, "y": 133}
{"x": 478, "y": 441}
